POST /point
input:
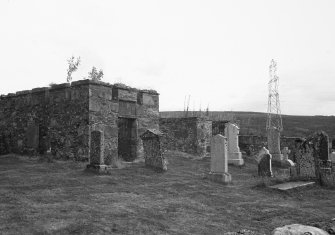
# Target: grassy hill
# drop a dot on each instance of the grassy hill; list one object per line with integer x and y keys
{"x": 253, "y": 123}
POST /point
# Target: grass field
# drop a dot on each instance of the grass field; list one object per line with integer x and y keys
{"x": 38, "y": 197}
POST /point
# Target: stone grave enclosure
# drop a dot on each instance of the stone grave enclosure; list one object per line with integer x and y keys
{"x": 62, "y": 117}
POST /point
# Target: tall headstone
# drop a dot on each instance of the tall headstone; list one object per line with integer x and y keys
{"x": 152, "y": 149}
{"x": 97, "y": 152}
{"x": 264, "y": 163}
{"x": 322, "y": 145}
{"x": 274, "y": 144}
{"x": 219, "y": 160}
{"x": 234, "y": 153}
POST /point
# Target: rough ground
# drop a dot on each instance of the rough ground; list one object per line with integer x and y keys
{"x": 37, "y": 197}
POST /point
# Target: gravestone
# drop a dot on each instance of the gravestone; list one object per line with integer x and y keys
{"x": 312, "y": 155}
{"x": 234, "y": 153}
{"x": 322, "y": 145}
{"x": 264, "y": 166}
{"x": 264, "y": 163}
{"x": 152, "y": 149}
{"x": 305, "y": 162}
{"x": 274, "y": 144}
{"x": 97, "y": 152}
{"x": 261, "y": 153}
{"x": 219, "y": 160}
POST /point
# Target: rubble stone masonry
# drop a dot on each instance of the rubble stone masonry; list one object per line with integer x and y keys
{"x": 62, "y": 117}
{"x": 191, "y": 134}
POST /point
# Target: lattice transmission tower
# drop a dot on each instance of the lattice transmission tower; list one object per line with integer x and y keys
{"x": 274, "y": 120}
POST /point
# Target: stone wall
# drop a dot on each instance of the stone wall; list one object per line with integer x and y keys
{"x": 68, "y": 124}
{"x": 62, "y": 117}
{"x": 191, "y": 135}
{"x": 34, "y": 121}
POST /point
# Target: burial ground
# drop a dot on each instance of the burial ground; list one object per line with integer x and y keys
{"x": 60, "y": 197}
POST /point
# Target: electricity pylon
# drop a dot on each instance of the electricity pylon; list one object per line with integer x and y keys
{"x": 274, "y": 120}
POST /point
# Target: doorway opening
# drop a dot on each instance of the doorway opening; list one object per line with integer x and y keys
{"x": 127, "y": 139}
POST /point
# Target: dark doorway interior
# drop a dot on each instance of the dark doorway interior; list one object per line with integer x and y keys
{"x": 127, "y": 143}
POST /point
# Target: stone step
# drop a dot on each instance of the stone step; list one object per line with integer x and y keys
{"x": 291, "y": 185}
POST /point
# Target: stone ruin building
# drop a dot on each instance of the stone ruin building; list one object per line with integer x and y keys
{"x": 61, "y": 118}
{"x": 188, "y": 134}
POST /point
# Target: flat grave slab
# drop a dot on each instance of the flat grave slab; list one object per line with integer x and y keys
{"x": 291, "y": 185}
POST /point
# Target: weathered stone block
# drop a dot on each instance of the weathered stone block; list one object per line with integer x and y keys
{"x": 94, "y": 105}
{"x": 148, "y": 99}
{"x": 224, "y": 178}
{"x": 114, "y": 107}
{"x": 127, "y": 108}
{"x": 127, "y": 95}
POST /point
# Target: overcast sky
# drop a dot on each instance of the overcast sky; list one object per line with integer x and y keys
{"x": 218, "y": 52}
